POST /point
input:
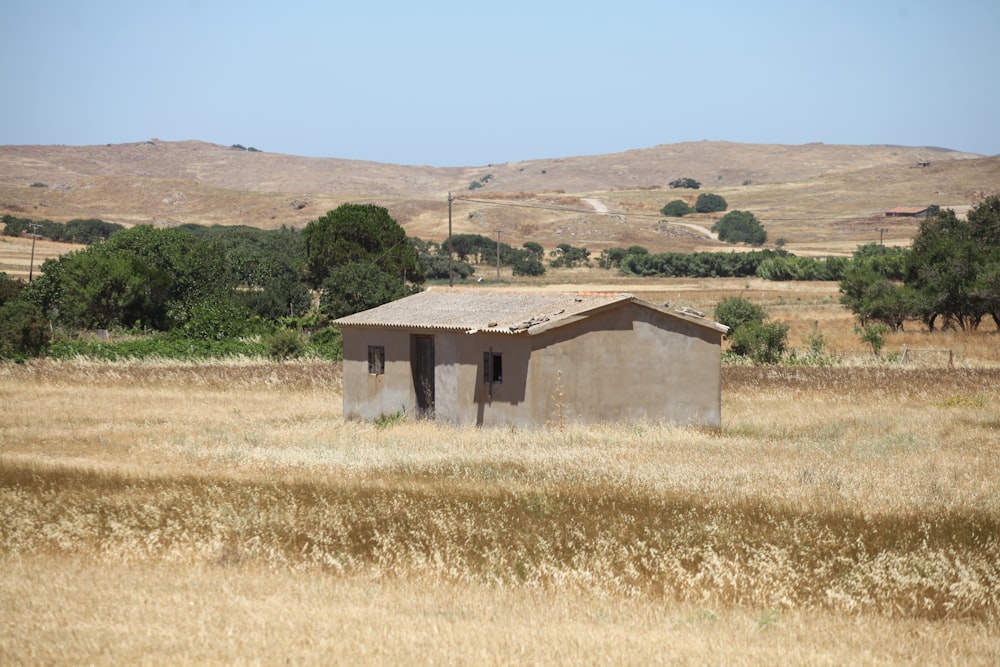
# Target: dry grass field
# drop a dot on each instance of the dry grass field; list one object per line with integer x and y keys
{"x": 226, "y": 513}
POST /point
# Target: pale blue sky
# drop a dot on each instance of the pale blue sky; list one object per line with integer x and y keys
{"x": 474, "y": 82}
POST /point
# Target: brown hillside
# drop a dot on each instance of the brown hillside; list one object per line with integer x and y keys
{"x": 819, "y": 198}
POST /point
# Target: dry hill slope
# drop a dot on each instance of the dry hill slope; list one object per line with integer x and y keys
{"x": 795, "y": 190}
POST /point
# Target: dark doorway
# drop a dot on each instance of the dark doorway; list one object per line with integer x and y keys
{"x": 422, "y": 348}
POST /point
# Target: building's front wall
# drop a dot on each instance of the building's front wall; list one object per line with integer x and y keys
{"x": 369, "y": 396}
{"x": 470, "y": 398}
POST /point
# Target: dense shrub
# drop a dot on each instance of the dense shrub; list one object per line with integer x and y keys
{"x": 736, "y": 311}
{"x": 751, "y": 334}
{"x": 356, "y": 286}
{"x": 566, "y": 255}
{"x": 740, "y": 227}
{"x": 24, "y": 331}
{"x": 156, "y": 346}
{"x": 710, "y": 203}
{"x": 327, "y": 343}
{"x": 528, "y": 264}
{"x": 685, "y": 183}
{"x": 677, "y": 208}
{"x": 763, "y": 342}
{"x": 696, "y": 265}
{"x": 80, "y": 231}
{"x": 285, "y": 344}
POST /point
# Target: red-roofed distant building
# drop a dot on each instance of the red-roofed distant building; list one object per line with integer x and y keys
{"x": 908, "y": 212}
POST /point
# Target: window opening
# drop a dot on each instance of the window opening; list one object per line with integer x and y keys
{"x": 492, "y": 367}
{"x": 376, "y": 359}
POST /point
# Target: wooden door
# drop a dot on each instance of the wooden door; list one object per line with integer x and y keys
{"x": 423, "y": 374}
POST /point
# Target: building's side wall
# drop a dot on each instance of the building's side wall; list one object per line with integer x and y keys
{"x": 627, "y": 364}
{"x": 368, "y": 396}
{"x": 464, "y": 396}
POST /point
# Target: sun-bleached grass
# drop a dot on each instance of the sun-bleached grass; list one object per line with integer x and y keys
{"x": 830, "y": 494}
{"x": 160, "y": 613}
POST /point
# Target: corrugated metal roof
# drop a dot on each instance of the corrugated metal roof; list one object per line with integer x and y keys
{"x": 507, "y": 312}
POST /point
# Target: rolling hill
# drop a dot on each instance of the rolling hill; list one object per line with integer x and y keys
{"x": 820, "y": 199}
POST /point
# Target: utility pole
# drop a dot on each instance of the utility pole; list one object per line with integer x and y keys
{"x": 881, "y": 231}
{"x": 34, "y": 235}
{"x": 498, "y": 255}
{"x": 451, "y": 279}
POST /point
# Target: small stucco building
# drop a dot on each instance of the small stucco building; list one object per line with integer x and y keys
{"x": 472, "y": 356}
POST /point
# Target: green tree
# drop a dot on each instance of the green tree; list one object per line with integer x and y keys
{"x": 614, "y": 258}
{"x": 216, "y": 320}
{"x": 525, "y": 261}
{"x": 9, "y": 288}
{"x": 736, "y": 311}
{"x": 763, "y": 342}
{"x": 874, "y": 335}
{"x": 951, "y": 273}
{"x": 23, "y": 328}
{"x": 569, "y": 256}
{"x": 751, "y": 333}
{"x": 869, "y": 289}
{"x": 182, "y": 268}
{"x": 285, "y": 344}
{"x": 611, "y": 258}
{"x": 534, "y": 248}
{"x": 101, "y": 289}
{"x": 740, "y": 227}
{"x": 24, "y": 331}
{"x": 90, "y": 231}
{"x": 355, "y": 286}
{"x": 359, "y": 233}
{"x": 677, "y": 208}
{"x": 985, "y": 222}
{"x": 943, "y": 264}
{"x": 710, "y": 203}
{"x": 433, "y": 258}
{"x": 684, "y": 183}
{"x": 146, "y": 276}
{"x": 528, "y": 264}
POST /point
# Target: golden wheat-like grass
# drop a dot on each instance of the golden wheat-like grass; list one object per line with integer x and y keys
{"x": 860, "y": 490}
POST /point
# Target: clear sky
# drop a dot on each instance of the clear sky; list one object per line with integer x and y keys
{"x": 477, "y": 82}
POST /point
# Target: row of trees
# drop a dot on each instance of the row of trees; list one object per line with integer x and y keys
{"x": 705, "y": 203}
{"x": 227, "y": 282}
{"x": 85, "y": 231}
{"x": 778, "y": 265}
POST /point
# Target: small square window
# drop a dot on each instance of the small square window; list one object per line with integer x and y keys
{"x": 492, "y": 367}
{"x": 376, "y": 359}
